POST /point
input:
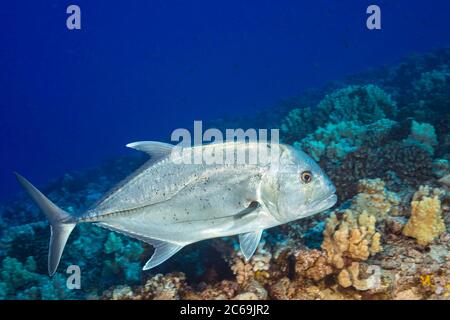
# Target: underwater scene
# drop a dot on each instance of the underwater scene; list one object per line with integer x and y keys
{"x": 355, "y": 205}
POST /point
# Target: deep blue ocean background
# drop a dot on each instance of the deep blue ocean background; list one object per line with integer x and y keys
{"x": 137, "y": 70}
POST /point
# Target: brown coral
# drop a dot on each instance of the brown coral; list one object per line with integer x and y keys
{"x": 411, "y": 164}
{"x": 257, "y": 267}
{"x": 312, "y": 264}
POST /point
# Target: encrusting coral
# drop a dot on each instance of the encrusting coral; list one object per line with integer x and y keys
{"x": 426, "y": 222}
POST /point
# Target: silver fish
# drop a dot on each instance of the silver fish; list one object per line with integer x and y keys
{"x": 171, "y": 202}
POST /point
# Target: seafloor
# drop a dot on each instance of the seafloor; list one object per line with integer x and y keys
{"x": 384, "y": 139}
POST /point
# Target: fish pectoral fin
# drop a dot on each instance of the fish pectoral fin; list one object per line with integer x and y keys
{"x": 254, "y": 205}
{"x": 249, "y": 242}
{"x": 156, "y": 150}
{"x": 163, "y": 251}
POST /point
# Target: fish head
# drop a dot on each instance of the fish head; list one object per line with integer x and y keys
{"x": 296, "y": 187}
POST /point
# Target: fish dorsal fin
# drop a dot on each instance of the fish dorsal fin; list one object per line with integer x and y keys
{"x": 249, "y": 242}
{"x": 163, "y": 251}
{"x": 156, "y": 150}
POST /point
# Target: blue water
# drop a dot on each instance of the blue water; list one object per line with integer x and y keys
{"x": 139, "y": 69}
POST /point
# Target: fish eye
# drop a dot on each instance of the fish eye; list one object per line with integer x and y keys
{"x": 306, "y": 176}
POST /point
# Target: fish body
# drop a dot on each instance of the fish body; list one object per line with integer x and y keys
{"x": 173, "y": 200}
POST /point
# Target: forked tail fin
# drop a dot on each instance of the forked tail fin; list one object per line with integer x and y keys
{"x": 61, "y": 223}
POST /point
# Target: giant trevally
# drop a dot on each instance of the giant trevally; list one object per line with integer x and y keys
{"x": 171, "y": 201}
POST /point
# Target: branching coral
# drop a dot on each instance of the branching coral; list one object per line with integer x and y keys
{"x": 432, "y": 92}
{"x": 297, "y": 123}
{"x": 313, "y": 264}
{"x": 422, "y": 135}
{"x": 21, "y": 281}
{"x": 335, "y": 141}
{"x": 256, "y": 268}
{"x": 364, "y": 104}
{"x": 353, "y": 237}
{"x": 123, "y": 260}
{"x": 159, "y": 287}
{"x": 165, "y": 287}
{"x": 351, "y": 277}
{"x": 347, "y": 241}
{"x": 360, "y": 104}
{"x": 426, "y": 221}
{"x": 350, "y": 237}
{"x": 113, "y": 244}
{"x": 375, "y": 199}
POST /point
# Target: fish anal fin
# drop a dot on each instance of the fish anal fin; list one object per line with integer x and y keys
{"x": 249, "y": 242}
{"x": 163, "y": 251}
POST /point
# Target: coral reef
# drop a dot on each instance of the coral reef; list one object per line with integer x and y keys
{"x": 400, "y": 165}
{"x": 374, "y": 199}
{"x": 21, "y": 281}
{"x": 423, "y": 135}
{"x": 335, "y": 141}
{"x": 364, "y": 104}
{"x": 352, "y": 237}
{"x": 431, "y": 92}
{"x": 382, "y": 136}
{"x": 358, "y": 104}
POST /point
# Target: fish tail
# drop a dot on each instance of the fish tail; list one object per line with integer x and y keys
{"x": 61, "y": 223}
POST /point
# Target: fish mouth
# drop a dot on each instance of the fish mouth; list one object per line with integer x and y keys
{"x": 331, "y": 200}
{"x": 326, "y": 202}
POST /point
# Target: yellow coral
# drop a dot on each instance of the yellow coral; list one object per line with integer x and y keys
{"x": 426, "y": 221}
{"x": 350, "y": 277}
{"x": 353, "y": 238}
{"x": 375, "y": 199}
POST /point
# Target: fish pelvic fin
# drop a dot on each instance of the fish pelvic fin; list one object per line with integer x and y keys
{"x": 61, "y": 223}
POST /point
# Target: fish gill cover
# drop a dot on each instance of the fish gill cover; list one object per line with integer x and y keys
{"x": 383, "y": 138}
